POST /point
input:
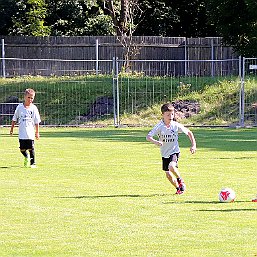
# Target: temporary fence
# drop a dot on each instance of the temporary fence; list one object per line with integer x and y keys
{"x": 248, "y": 93}
{"x": 132, "y": 89}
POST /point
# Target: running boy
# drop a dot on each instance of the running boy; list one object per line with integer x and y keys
{"x": 167, "y": 131}
{"x": 28, "y": 118}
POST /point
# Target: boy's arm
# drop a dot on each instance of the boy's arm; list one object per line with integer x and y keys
{"x": 193, "y": 142}
{"x": 12, "y": 126}
{"x": 37, "y": 131}
{"x": 151, "y": 139}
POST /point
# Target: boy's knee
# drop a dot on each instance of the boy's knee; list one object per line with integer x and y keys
{"x": 168, "y": 174}
{"x": 173, "y": 166}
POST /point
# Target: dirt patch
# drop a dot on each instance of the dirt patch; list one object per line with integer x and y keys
{"x": 186, "y": 108}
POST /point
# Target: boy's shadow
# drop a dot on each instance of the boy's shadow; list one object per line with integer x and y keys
{"x": 110, "y": 196}
{"x": 9, "y": 167}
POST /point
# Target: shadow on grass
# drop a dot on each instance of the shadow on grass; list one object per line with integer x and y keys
{"x": 108, "y": 196}
{"x": 221, "y": 139}
{"x": 202, "y": 202}
{"x": 225, "y": 139}
{"x": 125, "y": 135}
{"x": 233, "y": 158}
{"x": 228, "y": 210}
{"x": 9, "y": 167}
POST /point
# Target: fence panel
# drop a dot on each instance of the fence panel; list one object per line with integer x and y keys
{"x": 152, "y": 83}
{"x": 146, "y": 84}
{"x": 249, "y": 92}
{"x": 68, "y": 101}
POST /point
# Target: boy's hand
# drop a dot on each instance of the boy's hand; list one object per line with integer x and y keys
{"x": 193, "y": 149}
{"x": 37, "y": 135}
{"x": 158, "y": 143}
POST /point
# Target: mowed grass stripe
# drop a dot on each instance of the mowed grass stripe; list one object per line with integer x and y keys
{"x": 101, "y": 192}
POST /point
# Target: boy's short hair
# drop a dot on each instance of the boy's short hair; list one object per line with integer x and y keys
{"x": 168, "y": 107}
{"x": 29, "y": 91}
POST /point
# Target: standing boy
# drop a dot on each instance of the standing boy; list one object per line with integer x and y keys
{"x": 167, "y": 131}
{"x": 28, "y": 118}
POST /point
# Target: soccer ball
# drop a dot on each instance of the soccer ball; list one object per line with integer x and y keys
{"x": 227, "y": 195}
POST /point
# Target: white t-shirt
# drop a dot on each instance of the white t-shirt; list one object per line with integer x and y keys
{"x": 26, "y": 118}
{"x": 169, "y": 136}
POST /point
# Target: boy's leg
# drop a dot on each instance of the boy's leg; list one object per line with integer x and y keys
{"x": 26, "y": 157}
{"x": 180, "y": 185}
{"x": 24, "y": 153}
{"x": 32, "y": 154}
{"x": 180, "y": 181}
{"x": 23, "y": 150}
{"x": 173, "y": 167}
{"x": 166, "y": 166}
{"x": 172, "y": 179}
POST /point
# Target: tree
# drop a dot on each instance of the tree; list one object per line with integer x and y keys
{"x": 105, "y": 17}
{"x": 77, "y": 18}
{"x": 177, "y": 18}
{"x": 54, "y": 17}
{"x": 8, "y": 8}
{"x": 236, "y": 22}
{"x": 29, "y": 19}
{"x": 123, "y": 14}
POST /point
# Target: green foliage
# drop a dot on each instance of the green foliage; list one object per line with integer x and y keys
{"x": 80, "y": 17}
{"x": 8, "y": 9}
{"x": 98, "y": 26}
{"x": 235, "y": 21}
{"x": 47, "y": 17}
{"x": 29, "y": 19}
{"x": 77, "y": 18}
{"x": 170, "y": 18}
{"x": 101, "y": 192}
{"x": 67, "y": 17}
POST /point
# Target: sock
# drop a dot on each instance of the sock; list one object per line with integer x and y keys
{"x": 32, "y": 156}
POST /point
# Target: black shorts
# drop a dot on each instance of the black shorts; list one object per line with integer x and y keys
{"x": 166, "y": 161}
{"x": 26, "y": 144}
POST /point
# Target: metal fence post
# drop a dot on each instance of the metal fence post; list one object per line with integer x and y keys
{"x": 3, "y": 59}
{"x": 97, "y": 56}
{"x": 240, "y": 66}
{"x": 242, "y": 95}
{"x": 115, "y": 88}
{"x": 185, "y": 53}
{"x": 117, "y": 92}
{"x": 212, "y": 58}
{"x": 114, "y": 91}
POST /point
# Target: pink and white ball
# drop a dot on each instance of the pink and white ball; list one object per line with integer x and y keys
{"x": 227, "y": 195}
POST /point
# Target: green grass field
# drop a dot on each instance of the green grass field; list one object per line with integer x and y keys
{"x": 101, "y": 192}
